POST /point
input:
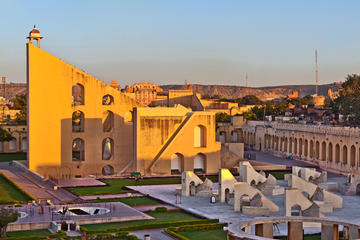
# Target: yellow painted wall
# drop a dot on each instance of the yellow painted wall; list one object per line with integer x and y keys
{"x": 50, "y": 134}
{"x": 50, "y": 109}
{"x": 182, "y": 143}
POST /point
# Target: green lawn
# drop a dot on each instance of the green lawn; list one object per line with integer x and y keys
{"x": 171, "y": 216}
{"x": 115, "y": 186}
{"x": 10, "y": 193}
{"x": 131, "y": 201}
{"x": 16, "y": 156}
{"x": 42, "y": 232}
{"x": 217, "y": 234}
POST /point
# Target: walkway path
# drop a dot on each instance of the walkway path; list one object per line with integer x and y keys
{"x": 156, "y": 234}
{"x": 109, "y": 196}
{"x": 268, "y": 158}
{"x": 37, "y": 188}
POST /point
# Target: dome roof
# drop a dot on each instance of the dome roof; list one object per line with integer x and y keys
{"x": 34, "y": 30}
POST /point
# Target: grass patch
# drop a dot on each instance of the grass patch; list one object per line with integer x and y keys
{"x": 218, "y": 234}
{"x": 42, "y": 232}
{"x": 10, "y": 193}
{"x": 116, "y": 186}
{"x": 9, "y": 157}
{"x": 131, "y": 201}
{"x": 172, "y": 216}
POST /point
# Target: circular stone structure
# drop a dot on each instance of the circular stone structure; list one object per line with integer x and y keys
{"x": 264, "y": 228}
{"x": 22, "y": 214}
{"x": 83, "y": 211}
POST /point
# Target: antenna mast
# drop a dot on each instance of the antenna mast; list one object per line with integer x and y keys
{"x": 316, "y": 72}
{"x": 246, "y": 80}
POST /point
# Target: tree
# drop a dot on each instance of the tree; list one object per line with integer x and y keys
{"x": 249, "y": 100}
{"x": 6, "y": 216}
{"x": 222, "y": 117}
{"x": 20, "y": 103}
{"x": 5, "y": 136}
{"x": 348, "y": 102}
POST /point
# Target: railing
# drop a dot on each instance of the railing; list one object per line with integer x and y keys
{"x": 323, "y": 129}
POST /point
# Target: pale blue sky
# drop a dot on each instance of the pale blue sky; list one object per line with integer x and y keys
{"x": 205, "y": 42}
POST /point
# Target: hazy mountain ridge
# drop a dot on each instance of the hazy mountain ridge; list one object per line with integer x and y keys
{"x": 232, "y": 92}
{"x": 226, "y": 91}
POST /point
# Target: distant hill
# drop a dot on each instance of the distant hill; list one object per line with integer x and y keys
{"x": 13, "y": 89}
{"x": 263, "y": 93}
{"x": 226, "y": 91}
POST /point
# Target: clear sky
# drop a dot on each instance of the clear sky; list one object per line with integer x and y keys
{"x": 203, "y": 41}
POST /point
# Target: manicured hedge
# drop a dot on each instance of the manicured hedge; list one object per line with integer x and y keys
{"x": 35, "y": 237}
{"x": 17, "y": 186}
{"x": 200, "y": 227}
{"x": 176, "y": 235}
{"x": 150, "y": 226}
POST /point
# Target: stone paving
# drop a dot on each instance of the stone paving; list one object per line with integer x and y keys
{"x": 37, "y": 188}
{"x": 268, "y": 158}
{"x": 79, "y": 182}
{"x": 225, "y": 213}
{"x": 157, "y": 234}
{"x": 117, "y": 212}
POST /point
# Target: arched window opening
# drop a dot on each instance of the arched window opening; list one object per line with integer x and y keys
{"x": 300, "y": 146}
{"x": 78, "y": 147}
{"x": 108, "y": 121}
{"x": 345, "y": 155}
{"x": 352, "y": 156}
{"x": 177, "y": 160}
{"x": 199, "y": 136}
{"x": 78, "y": 121}
{"x": 296, "y": 210}
{"x": 222, "y": 137}
{"x": 286, "y": 145}
{"x": 311, "y": 149}
{"x": 337, "y": 153}
{"x": 78, "y": 95}
{"x": 317, "y": 150}
{"x": 199, "y": 163}
{"x": 295, "y": 146}
{"x": 306, "y": 148}
{"x": 192, "y": 188}
{"x": 290, "y": 145}
{"x": 107, "y": 100}
{"x": 107, "y": 148}
{"x": 24, "y": 144}
{"x": 234, "y": 136}
{"x": 330, "y": 152}
{"x": 323, "y": 151}
{"x": 227, "y": 195}
{"x": 108, "y": 170}
{"x": 12, "y": 145}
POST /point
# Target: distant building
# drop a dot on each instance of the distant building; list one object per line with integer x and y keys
{"x": 144, "y": 92}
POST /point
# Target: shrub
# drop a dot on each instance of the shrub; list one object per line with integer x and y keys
{"x": 200, "y": 227}
{"x": 161, "y": 209}
{"x": 150, "y": 226}
{"x": 176, "y": 235}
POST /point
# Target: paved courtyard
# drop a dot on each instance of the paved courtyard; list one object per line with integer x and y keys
{"x": 37, "y": 188}
{"x": 225, "y": 213}
{"x": 117, "y": 211}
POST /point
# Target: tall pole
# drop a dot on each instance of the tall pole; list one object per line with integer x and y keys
{"x": 246, "y": 80}
{"x": 316, "y": 72}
